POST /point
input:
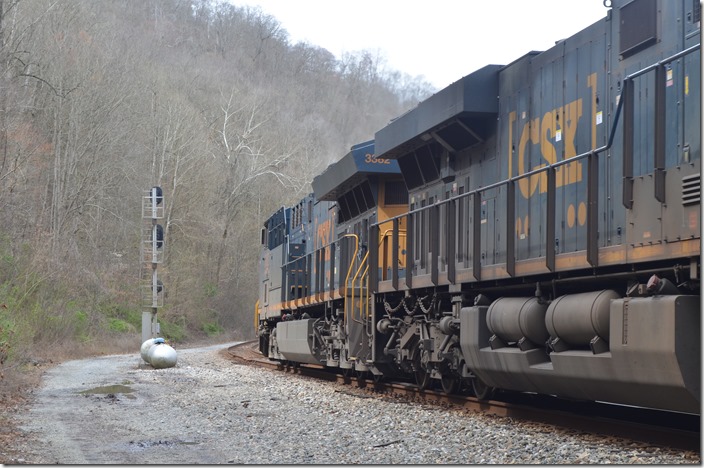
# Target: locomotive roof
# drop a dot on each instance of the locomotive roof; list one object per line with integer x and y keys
{"x": 450, "y": 110}
{"x": 350, "y": 170}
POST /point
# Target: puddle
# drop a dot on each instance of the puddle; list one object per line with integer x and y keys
{"x": 108, "y": 389}
{"x": 136, "y": 446}
{"x": 119, "y": 388}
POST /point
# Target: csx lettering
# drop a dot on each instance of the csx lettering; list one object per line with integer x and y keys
{"x": 371, "y": 159}
{"x": 542, "y": 132}
{"x": 559, "y": 124}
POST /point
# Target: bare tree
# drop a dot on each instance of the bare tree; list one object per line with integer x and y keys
{"x": 101, "y": 100}
{"x": 248, "y": 155}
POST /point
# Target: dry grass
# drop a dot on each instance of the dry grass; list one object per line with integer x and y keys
{"x": 17, "y": 388}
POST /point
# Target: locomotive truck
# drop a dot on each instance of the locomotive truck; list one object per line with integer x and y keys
{"x": 533, "y": 227}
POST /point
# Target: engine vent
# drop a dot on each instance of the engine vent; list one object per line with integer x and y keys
{"x": 691, "y": 189}
{"x": 696, "y": 11}
{"x": 639, "y": 26}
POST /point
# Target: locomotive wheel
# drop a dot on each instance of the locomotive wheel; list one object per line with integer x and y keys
{"x": 481, "y": 390}
{"x": 378, "y": 378}
{"x": 422, "y": 378}
{"x": 421, "y": 375}
{"x": 450, "y": 384}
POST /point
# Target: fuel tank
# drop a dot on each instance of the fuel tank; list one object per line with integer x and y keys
{"x": 577, "y": 318}
{"x": 513, "y": 318}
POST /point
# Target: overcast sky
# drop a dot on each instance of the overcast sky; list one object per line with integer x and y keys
{"x": 443, "y": 40}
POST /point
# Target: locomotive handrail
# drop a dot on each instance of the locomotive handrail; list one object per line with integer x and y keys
{"x": 367, "y": 308}
{"x": 349, "y": 269}
{"x": 354, "y": 278}
{"x": 558, "y": 163}
{"x": 550, "y": 169}
{"x": 296, "y": 260}
{"x": 662, "y": 62}
{"x": 365, "y": 277}
{"x": 592, "y": 195}
{"x": 397, "y": 259}
{"x": 384, "y": 237}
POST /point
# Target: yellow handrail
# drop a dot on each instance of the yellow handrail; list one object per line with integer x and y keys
{"x": 384, "y": 237}
{"x": 349, "y": 270}
{"x": 354, "y": 278}
{"x": 364, "y": 276}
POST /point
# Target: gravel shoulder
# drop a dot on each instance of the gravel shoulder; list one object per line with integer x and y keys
{"x": 207, "y": 410}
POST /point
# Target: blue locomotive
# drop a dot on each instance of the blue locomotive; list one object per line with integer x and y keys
{"x": 533, "y": 227}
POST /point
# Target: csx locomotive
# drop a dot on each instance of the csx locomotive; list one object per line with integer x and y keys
{"x": 533, "y": 227}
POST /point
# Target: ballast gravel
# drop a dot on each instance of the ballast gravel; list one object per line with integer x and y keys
{"x": 208, "y": 410}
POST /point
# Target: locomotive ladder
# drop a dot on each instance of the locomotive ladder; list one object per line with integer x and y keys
{"x": 357, "y": 290}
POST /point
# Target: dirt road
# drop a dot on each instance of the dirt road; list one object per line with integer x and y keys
{"x": 118, "y": 410}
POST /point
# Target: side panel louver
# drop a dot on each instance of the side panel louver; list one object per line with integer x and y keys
{"x": 691, "y": 190}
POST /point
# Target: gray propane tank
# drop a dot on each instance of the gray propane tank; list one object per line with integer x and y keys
{"x": 144, "y": 350}
{"x": 162, "y": 356}
{"x": 158, "y": 353}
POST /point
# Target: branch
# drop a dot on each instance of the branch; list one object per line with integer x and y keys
{"x": 29, "y": 75}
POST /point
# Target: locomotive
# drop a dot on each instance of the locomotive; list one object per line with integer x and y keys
{"x": 533, "y": 227}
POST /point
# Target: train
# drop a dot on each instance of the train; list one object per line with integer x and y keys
{"x": 533, "y": 227}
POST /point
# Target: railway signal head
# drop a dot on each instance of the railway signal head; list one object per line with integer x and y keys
{"x": 159, "y": 236}
{"x": 157, "y": 195}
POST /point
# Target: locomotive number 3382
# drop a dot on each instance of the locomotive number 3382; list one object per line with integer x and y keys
{"x": 371, "y": 159}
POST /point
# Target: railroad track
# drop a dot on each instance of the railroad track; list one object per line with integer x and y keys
{"x": 665, "y": 429}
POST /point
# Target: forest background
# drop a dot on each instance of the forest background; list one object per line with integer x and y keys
{"x": 100, "y": 101}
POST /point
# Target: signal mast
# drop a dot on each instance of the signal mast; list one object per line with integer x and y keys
{"x": 152, "y": 254}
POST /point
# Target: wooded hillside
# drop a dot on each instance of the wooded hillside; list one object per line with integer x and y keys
{"x": 101, "y": 100}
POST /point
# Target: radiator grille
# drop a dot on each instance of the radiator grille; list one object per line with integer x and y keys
{"x": 691, "y": 189}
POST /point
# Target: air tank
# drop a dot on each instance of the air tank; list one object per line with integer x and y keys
{"x": 577, "y": 318}
{"x": 512, "y": 318}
